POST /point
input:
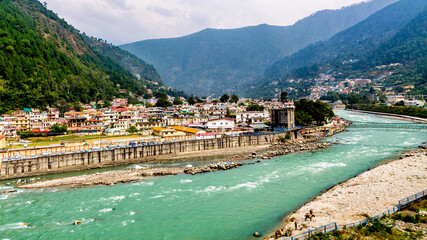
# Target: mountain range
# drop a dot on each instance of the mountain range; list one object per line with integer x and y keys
{"x": 356, "y": 42}
{"x": 215, "y": 61}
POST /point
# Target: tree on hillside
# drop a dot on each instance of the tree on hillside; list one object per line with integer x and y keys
{"x": 177, "y": 101}
{"x": 199, "y": 100}
{"x": 283, "y": 96}
{"x": 163, "y": 101}
{"x": 307, "y": 111}
{"x": 234, "y": 98}
{"x": 191, "y": 100}
{"x": 254, "y": 107}
{"x": 228, "y": 113}
{"x": 224, "y": 98}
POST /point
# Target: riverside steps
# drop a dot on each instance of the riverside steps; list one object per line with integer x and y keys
{"x": 81, "y": 160}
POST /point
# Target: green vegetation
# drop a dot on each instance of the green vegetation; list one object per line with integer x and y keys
{"x": 212, "y": 61}
{"x": 58, "y": 128}
{"x": 224, "y": 98}
{"x": 29, "y": 134}
{"x": 284, "y": 96}
{"x": 163, "y": 101}
{"x": 254, "y": 107}
{"x": 177, "y": 101}
{"x": 385, "y": 228}
{"x": 191, "y": 100}
{"x": 307, "y": 111}
{"x": 132, "y": 129}
{"x": 146, "y": 74}
{"x": 411, "y": 111}
{"x": 46, "y": 62}
{"x": 347, "y": 99}
{"x": 234, "y": 98}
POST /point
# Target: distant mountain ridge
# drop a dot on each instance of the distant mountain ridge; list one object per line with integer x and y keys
{"x": 216, "y": 61}
{"x": 353, "y": 42}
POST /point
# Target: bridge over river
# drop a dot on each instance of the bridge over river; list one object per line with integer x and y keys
{"x": 362, "y": 124}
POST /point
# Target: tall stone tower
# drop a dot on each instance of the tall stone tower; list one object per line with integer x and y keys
{"x": 284, "y": 117}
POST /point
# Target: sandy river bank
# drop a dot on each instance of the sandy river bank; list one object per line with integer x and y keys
{"x": 367, "y": 194}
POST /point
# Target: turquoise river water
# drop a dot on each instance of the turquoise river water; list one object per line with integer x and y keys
{"x": 222, "y": 205}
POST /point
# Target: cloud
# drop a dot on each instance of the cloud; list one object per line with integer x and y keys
{"x": 123, "y": 21}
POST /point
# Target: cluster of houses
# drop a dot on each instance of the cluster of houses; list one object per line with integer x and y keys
{"x": 181, "y": 120}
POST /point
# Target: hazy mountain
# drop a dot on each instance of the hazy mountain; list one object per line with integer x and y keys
{"x": 359, "y": 39}
{"x": 215, "y": 61}
{"x": 46, "y": 62}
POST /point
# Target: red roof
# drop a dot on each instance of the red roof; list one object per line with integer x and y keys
{"x": 208, "y": 134}
{"x": 120, "y": 108}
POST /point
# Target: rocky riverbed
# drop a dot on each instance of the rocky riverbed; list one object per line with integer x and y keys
{"x": 138, "y": 174}
{"x": 363, "y": 196}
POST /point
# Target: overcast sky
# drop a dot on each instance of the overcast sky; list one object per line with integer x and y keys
{"x": 124, "y": 21}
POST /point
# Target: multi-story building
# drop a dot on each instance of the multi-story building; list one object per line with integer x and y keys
{"x": 221, "y": 124}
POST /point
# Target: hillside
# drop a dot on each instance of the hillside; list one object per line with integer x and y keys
{"x": 46, "y": 62}
{"x": 408, "y": 49}
{"x": 352, "y": 43}
{"x": 214, "y": 61}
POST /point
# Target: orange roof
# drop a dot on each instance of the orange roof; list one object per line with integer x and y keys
{"x": 2, "y": 136}
{"x": 192, "y": 130}
{"x": 179, "y": 128}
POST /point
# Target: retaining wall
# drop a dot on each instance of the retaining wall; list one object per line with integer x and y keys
{"x": 66, "y": 162}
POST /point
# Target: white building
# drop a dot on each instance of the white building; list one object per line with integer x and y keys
{"x": 414, "y": 103}
{"x": 221, "y": 124}
{"x": 392, "y": 99}
{"x": 255, "y": 117}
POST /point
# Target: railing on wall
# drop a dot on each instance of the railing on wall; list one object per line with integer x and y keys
{"x": 333, "y": 226}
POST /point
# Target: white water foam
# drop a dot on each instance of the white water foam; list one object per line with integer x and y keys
{"x": 144, "y": 183}
{"x": 253, "y": 185}
{"x": 158, "y": 196}
{"x": 211, "y": 189}
{"x": 18, "y": 225}
{"x": 114, "y": 198}
{"x": 106, "y": 210}
{"x": 186, "y": 181}
{"x": 134, "y": 194}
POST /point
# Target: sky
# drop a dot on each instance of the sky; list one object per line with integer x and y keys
{"x": 125, "y": 21}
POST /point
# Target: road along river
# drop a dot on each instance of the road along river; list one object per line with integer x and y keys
{"x": 220, "y": 205}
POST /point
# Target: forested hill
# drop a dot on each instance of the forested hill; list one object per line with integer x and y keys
{"x": 145, "y": 72}
{"x": 46, "y": 62}
{"x": 360, "y": 39}
{"x": 406, "y": 50}
{"x": 214, "y": 61}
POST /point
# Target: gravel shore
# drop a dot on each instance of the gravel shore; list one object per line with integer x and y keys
{"x": 211, "y": 161}
{"x": 365, "y": 195}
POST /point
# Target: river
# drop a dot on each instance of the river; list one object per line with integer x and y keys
{"x": 221, "y": 205}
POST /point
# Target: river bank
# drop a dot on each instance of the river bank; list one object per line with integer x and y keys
{"x": 393, "y": 116}
{"x": 213, "y": 161}
{"x": 363, "y": 196}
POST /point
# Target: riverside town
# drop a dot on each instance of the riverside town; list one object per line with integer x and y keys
{"x": 207, "y": 120}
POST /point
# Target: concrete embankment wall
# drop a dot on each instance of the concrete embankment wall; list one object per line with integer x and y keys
{"x": 120, "y": 156}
